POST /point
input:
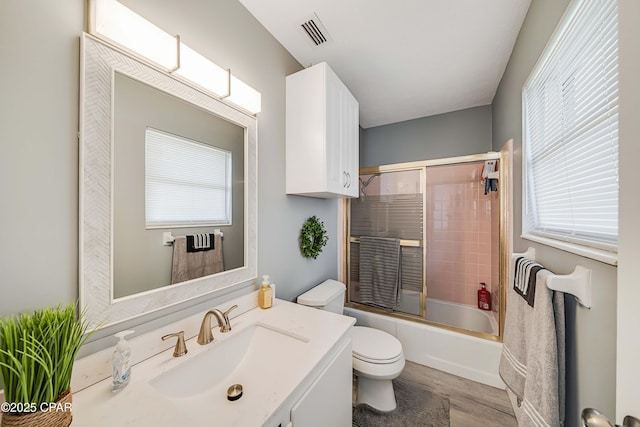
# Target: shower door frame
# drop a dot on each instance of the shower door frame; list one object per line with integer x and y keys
{"x": 502, "y": 250}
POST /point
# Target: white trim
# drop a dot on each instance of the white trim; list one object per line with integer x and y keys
{"x": 584, "y": 251}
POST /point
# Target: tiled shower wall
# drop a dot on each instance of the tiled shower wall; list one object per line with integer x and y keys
{"x": 462, "y": 224}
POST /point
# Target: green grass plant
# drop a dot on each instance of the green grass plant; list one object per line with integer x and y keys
{"x": 37, "y": 351}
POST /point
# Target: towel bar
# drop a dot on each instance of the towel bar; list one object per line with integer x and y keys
{"x": 577, "y": 283}
{"x": 168, "y": 238}
{"x": 403, "y": 242}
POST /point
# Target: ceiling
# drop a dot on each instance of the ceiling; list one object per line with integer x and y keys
{"x": 403, "y": 59}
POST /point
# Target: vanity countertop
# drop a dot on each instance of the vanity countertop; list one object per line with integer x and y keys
{"x": 140, "y": 404}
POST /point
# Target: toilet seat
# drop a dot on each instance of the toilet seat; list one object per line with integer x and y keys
{"x": 375, "y": 346}
{"x": 378, "y": 362}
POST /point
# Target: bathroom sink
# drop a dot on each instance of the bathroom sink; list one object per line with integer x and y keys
{"x": 257, "y": 357}
{"x": 282, "y": 357}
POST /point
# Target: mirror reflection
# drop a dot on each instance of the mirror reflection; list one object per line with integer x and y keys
{"x": 176, "y": 169}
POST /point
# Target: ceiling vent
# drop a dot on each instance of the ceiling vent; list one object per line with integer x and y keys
{"x": 315, "y": 31}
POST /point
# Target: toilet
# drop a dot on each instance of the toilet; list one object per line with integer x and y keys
{"x": 377, "y": 356}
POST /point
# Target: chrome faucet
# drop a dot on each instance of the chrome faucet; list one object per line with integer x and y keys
{"x": 206, "y": 336}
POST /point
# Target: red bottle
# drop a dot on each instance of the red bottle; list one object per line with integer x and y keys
{"x": 484, "y": 298}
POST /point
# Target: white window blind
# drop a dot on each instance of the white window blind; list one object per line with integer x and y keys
{"x": 187, "y": 183}
{"x": 570, "y": 136}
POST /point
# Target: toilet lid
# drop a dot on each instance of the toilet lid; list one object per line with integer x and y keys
{"x": 373, "y": 345}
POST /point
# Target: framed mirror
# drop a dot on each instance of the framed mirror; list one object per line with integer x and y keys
{"x": 127, "y": 262}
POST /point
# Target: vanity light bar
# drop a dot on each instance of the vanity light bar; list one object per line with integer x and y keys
{"x": 177, "y": 67}
{"x": 204, "y": 73}
{"x": 242, "y": 94}
{"x": 110, "y": 20}
{"x": 117, "y": 24}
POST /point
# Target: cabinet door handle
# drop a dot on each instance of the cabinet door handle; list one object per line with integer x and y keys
{"x": 348, "y": 180}
{"x": 344, "y": 174}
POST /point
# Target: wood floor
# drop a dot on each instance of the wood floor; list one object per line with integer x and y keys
{"x": 472, "y": 404}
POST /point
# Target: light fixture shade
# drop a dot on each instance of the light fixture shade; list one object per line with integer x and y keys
{"x": 201, "y": 71}
{"x": 245, "y": 96}
{"x": 121, "y": 25}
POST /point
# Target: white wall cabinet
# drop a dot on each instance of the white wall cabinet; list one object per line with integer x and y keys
{"x": 322, "y": 135}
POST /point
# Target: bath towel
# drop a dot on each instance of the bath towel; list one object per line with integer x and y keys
{"x": 380, "y": 271}
{"x": 532, "y": 364}
{"x": 191, "y": 265}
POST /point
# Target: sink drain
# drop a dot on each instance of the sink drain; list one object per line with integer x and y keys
{"x": 234, "y": 392}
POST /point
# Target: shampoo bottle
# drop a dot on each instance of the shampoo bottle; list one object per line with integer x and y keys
{"x": 484, "y": 297}
{"x": 121, "y": 362}
{"x": 265, "y": 294}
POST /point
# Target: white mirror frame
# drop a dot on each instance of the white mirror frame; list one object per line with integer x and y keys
{"x": 99, "y": 63}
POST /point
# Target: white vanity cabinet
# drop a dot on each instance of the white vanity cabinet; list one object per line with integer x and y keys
{"x": 322, "y": 135}
{"x": 328, "y": 401}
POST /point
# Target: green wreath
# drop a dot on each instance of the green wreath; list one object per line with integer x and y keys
{"x": 313, "y": 237}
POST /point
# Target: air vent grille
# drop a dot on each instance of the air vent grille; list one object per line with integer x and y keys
{"x": 313, "y": 28}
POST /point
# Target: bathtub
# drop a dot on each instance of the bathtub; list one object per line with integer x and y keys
{"x": 462, "y": 316}
{"x": 450, "y": 313}
{"x": 469, "y": 357}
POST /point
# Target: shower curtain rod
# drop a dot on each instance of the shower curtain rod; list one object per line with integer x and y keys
{"x": 403, "y": 242}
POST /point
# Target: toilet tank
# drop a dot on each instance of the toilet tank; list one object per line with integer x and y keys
{"x": 328, "y": 296}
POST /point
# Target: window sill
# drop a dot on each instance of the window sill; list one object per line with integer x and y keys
{"x": 584, "y": 251}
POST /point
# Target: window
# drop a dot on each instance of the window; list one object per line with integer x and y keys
{"x": 570, "y": 138}
{"x": 187, "y": 183}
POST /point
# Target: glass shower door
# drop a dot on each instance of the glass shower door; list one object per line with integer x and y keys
{"x": 391, "y": 205}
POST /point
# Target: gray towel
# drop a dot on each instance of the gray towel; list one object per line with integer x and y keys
{"x": 532, "y": 364}
{"x": 380, "y": 271}
{"x": 191, "y": 265}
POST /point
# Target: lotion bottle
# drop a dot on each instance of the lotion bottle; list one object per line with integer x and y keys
{"x": 121, "y": 362}
{"x": 265, "y": 294}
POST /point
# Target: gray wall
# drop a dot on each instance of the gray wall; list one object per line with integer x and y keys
{"x": 445, "y": 135}
{"x": 39, "y": 152}
{"x": 591, "y": 334}
{"x": 39, "y": 45}
{"x": 141, "y": 261}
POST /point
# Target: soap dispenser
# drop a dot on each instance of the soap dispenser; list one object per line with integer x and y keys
{"x": 265, "y": 294}
{"x": 121, "y": 362}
